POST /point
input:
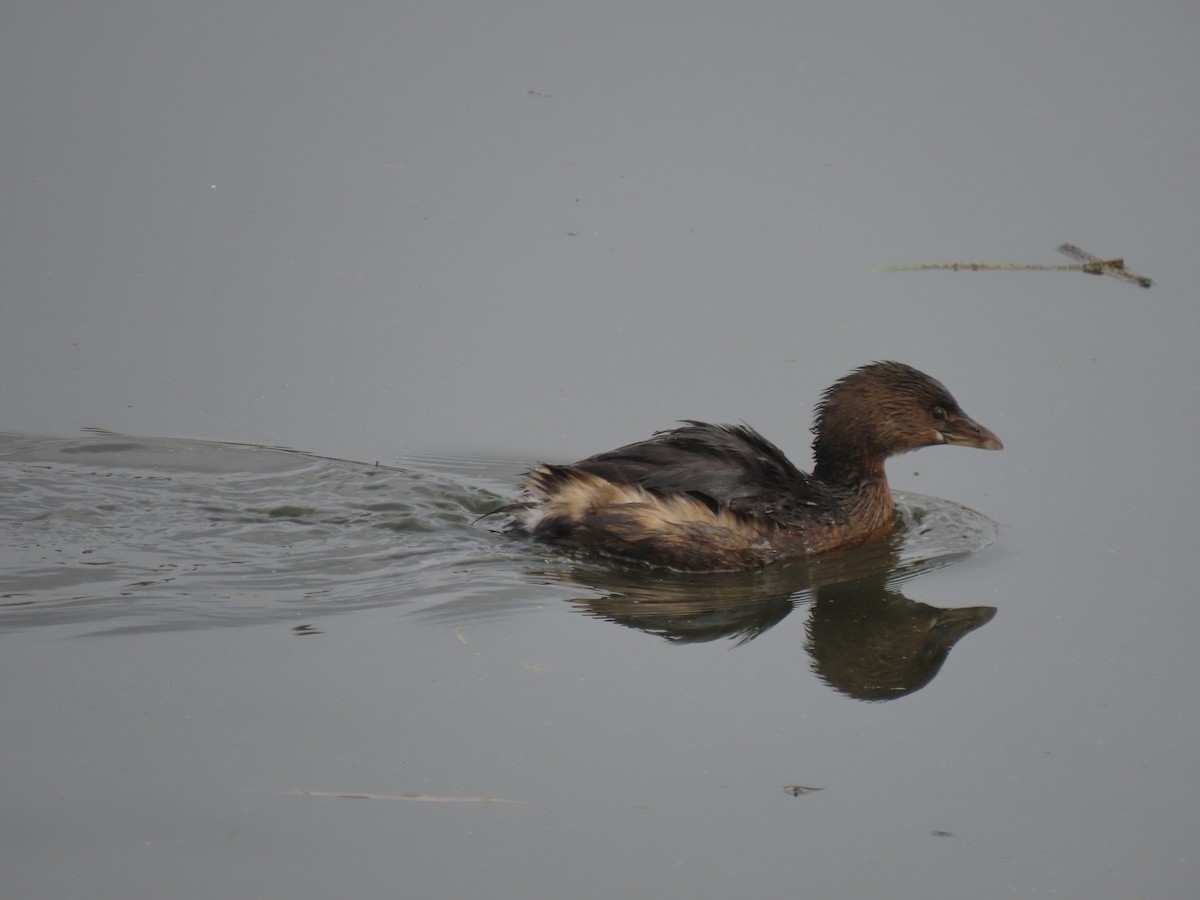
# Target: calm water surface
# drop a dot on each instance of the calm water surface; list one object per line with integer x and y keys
{"x": 538, "y": 231}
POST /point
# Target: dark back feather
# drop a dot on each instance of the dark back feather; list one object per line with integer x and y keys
{"x": 729, "y": 465}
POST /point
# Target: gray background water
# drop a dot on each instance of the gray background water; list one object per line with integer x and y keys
{"x": 540, "y": 230}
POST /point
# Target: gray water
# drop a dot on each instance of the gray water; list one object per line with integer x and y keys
{"x": 447, "y": 241}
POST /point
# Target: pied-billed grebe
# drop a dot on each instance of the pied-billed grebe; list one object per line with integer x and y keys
{"x": 706, "y": 497}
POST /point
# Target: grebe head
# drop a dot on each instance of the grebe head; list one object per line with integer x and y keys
{"x": 887, "y": 408}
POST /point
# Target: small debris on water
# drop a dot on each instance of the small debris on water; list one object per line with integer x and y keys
{"x": 797, "y": 790}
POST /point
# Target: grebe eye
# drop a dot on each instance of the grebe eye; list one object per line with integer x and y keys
{"x": 938, "y": 413}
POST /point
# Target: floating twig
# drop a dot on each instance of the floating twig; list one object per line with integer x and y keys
{"x": 1089, "y": 264}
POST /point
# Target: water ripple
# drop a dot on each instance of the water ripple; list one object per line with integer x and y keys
{"x": 115, "y": 533}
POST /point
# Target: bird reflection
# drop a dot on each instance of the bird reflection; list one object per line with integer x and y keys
{"x": 876, "y": 644}
{"x": 866, "y": 639}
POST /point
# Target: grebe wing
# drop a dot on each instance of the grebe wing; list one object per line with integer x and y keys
{"x": 731, "y": 465}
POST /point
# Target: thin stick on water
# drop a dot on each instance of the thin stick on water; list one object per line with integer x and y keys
{"x": 1091, "y": 265}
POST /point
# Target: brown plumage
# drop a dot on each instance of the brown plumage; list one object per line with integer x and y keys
{"x": 719, "y": 497}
